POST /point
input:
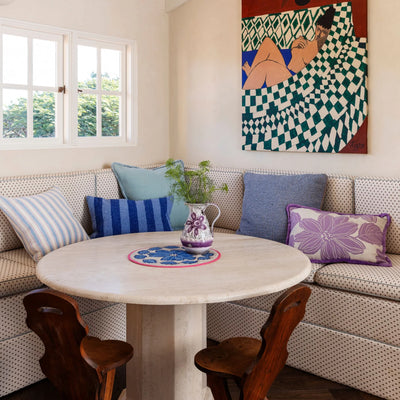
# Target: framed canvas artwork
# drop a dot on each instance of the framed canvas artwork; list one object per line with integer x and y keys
{"x": 304, "y": 76}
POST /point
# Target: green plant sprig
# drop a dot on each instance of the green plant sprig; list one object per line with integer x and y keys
{"x": 192, "y": 186}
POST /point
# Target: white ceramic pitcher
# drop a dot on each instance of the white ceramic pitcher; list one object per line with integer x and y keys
{"x": 197, "y": 236}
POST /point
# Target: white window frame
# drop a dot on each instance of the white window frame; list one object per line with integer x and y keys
{"x": 67, "y": 78}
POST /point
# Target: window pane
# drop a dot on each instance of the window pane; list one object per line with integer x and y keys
{"x": 110, "y": 69}
{"x": 110, "y": 115}
{"x": 44, "y": 114}
{"x": 15, "y": 59}
{"x": 87, "y": 106}
{"x": 87, "y": 67}
{"x": 44, "y": 62}
{"x": 15, "y": 113}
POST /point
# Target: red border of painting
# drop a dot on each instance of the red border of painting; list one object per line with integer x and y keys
{"x": 251, "y": 8}
{"x": 359, "y": 143}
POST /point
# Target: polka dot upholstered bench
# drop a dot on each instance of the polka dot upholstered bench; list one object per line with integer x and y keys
{"x": 21, "y": 349}
{"x": 350, "y": 333}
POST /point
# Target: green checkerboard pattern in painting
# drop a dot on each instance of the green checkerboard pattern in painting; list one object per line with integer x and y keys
{"x": 281, "y": 28}
{"x": 320, "y": 108}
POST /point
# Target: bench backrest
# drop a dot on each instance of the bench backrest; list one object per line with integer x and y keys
{"x": 343, "y": 194}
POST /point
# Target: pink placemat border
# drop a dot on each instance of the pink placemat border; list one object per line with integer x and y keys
{"x": 173, "y": 266}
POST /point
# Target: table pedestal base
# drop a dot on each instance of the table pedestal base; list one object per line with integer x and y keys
{"x": 207, "y": 395}
{"x": 165, "y": 340}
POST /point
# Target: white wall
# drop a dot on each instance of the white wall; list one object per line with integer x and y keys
{"x": 142, "y": 20}
{"x": 205, "y": 88}
{"x": 172, "y": 4}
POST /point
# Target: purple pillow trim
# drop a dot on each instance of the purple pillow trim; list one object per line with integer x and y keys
{"x": 330, "y": 235}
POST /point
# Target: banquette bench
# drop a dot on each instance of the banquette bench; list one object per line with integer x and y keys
{"x": 350, "y": 333}
{"x": 20, "y": 349}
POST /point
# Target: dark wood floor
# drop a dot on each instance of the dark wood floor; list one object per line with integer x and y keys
{"x": 291, "y": 384}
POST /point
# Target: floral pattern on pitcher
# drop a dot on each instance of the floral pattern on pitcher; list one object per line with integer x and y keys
{"x": 195, "y": 223}
{"x": 197, "y": 236}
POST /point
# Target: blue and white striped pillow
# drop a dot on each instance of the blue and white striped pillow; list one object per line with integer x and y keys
{"x": 43, "y": 222}
{"x": 120, "y": 216}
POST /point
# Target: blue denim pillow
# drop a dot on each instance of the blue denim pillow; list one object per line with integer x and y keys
{"x": 142, "y": 184}
{"x": 120, "y": 216}
{"x": 266, "y": 197}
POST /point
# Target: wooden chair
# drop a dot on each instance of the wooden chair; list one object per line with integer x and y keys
{"x": 81, "y": 367}
{"x": 251, "y": 363}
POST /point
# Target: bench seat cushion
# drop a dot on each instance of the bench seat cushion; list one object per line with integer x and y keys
{"x": 333, "y": 309}
{"x": 366, "y": 279}
{"x": 315, "y": 267}
{"x": 17, "y": 273}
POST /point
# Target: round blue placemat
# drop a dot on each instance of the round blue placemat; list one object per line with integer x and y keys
{"x": 172, "y": 257}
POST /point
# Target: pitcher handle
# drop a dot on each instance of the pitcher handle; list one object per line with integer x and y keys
{"x": 219, "y": 214}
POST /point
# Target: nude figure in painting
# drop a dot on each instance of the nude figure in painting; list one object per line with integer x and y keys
{"x": 269, "y": 66}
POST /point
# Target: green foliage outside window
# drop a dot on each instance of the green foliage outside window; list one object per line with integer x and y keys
{"x": 44, "y": 104}
{"x": 14, "y": 120}
{"x": 15, "y": 115}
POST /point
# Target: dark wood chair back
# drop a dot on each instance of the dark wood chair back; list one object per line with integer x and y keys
{"x": 286, "y": 314}
{"x": 251, "y": 363}
{"x": 55, "y": 318}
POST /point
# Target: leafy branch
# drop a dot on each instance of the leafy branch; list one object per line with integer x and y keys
{"x": 192, "y": 186}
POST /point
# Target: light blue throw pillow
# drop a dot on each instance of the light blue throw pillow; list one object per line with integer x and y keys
{"x": 142, "y": 184}
{"x": 43, "y": 222}
{"x": 266, "y": 197}
{"x": 120, "y": 216}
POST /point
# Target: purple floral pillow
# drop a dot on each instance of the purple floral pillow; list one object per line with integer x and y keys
{"x": 327, "y": 237}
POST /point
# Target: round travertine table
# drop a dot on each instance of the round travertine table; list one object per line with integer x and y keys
{"x": 166, "y": 307}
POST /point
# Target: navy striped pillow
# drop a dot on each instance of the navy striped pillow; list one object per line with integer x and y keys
{"x": 120, "y": 216}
